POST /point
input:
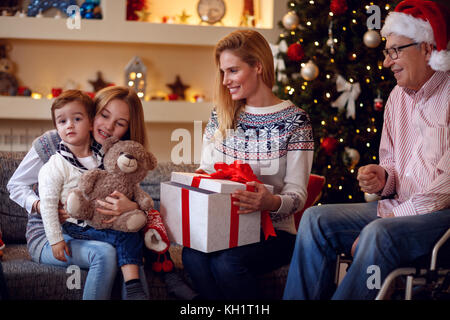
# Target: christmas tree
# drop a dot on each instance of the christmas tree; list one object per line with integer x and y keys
{"x": 330, "y": 64}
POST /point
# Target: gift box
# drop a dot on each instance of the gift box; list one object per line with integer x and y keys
{"x": 198, "y": 213}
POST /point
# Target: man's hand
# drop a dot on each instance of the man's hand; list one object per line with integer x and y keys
{"x": 58, "y": 250}
{"x": 259, "y": 200}
{"x": 372, "y": 178}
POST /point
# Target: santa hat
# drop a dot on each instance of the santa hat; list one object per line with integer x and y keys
{"x": 422, "y": 21}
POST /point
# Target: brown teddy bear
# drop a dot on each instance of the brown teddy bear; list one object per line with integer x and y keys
{"x": 126, "y": 164}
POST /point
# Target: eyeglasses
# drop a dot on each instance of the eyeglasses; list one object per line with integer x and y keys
{"x": 393, "y": 52}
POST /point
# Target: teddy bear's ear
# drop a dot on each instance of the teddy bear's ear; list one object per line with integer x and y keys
{"x": 109, "y": 143}
{"x": 151, "y": 161}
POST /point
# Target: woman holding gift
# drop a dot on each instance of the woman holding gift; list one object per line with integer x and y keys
{"x": 250, "y": 124}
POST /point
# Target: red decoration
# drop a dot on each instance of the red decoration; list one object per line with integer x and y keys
{"x": 338, "y": 7}
{"x": 172, "y": 97}
{"x": 56, "y": 92}
{"x": 378, "y": 104}
{"x": 295, "y": 52}
{"x": 329, "y": 145}
{"x": 132, "y": 7}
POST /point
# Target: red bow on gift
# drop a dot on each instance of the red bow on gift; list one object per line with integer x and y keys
{"x": 243, "y": 173}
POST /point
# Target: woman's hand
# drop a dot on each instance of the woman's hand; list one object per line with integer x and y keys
{"x": 58, "y": 250}
{"x": 116, "y": 204}
{"x": 62, "y": 214}
{"x": 259, "y": 200}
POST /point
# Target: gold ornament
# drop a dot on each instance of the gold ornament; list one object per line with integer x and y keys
{"x": 310, "y": 71}
{"x": 372, "y": 39}
{"x": 290, "y": 20}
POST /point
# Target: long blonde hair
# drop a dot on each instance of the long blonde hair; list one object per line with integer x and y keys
{"x": 136, "y": 129}
{"x": 251, "y": 47}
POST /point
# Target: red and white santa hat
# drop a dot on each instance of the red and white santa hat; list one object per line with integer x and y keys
{"x": 422, "y": 21}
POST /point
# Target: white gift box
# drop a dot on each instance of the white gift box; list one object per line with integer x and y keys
{"x": 202, "y": 218}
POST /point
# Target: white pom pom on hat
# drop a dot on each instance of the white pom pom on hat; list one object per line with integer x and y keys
{"x": 422, "y": 21}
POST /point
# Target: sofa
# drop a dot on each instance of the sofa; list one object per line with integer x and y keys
{"x": 27, "y": 280}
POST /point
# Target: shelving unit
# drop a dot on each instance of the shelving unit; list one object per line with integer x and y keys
{"x": 27, "y": 108}
{"x": 114, "y": 28}
{"x": 48, "y": 54}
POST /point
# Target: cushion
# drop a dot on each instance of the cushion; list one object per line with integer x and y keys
{"x": 314, "y": 189}
{"x": 13, "y": 218}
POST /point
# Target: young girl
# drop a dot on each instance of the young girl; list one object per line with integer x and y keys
{"x": 251, "y": 124}
{"x": 72, "y": 115}
{"x": 119, "y": 113}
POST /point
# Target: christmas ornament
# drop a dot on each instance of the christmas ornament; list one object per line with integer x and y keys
{"x": 350, "y": 157}
{"x": 378, "y": 104}
{"x": 350, "y": 92}
{"x": 184, "y": 17}
{"x": 290, "y": 20}
{"x": 211, "y": 11}
{"x": 90, "y": 9}
{"x": 136, "y": 75}
{"x": 143, "y": 15}
{"x": 330, "y": 41}
{"x": 369, "y": 197}
{"x": 329, "y": 145}
{"x": 56, "y": 92}
{"x": 278, "y": 61}
{"x": 372, "y": 39}
{"x": 248, "y": 14}
{"x": 310, "y": 71}
{"x": 338, "y": 7}
{"x": 178, "y": 88}
{"x": 37, "y": 6}
{"x": 132, "y": 7}
{"x": 295, "y": 52}
{"x": 99, "y": 83}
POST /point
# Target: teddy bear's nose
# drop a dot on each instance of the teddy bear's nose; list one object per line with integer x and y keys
{"x": 129, "y": 156}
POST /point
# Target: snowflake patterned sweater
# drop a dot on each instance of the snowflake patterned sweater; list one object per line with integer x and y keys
{"x": 277, "y": 142}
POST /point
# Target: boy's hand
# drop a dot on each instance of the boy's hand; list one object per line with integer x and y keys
{"x": 58, "y": 250}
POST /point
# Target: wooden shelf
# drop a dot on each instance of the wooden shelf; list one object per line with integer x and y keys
{"x": 114, "y": 28}
{"x": 26, "y": 108}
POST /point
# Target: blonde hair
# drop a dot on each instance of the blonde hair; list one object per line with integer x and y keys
{"x": 251, "y": 47}
{"x": 136, "y": 129}
{"x": 73, "y": 95}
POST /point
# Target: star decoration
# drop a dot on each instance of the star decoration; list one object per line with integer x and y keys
{"x": 178, "y": 87}
{"x": 143, "y": 15}
{"x": 99, "y": 83}
{"x": 184, "y": 17}
{"x": 248, "y": 20}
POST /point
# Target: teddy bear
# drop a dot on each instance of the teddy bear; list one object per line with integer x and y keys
{"x": 126, "y": 164}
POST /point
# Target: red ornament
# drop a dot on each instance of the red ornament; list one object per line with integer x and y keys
{"x": 295, "y": 52}
{"x": 56, "y": 92}
{"x": 338, "y": 7}
{"x": 132, "y": 6}
{"x": 378, "y": 104}
{"x": 329, "y": 145}
{"x": 172, "y": 96}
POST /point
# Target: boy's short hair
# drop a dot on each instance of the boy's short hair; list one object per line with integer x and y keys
{"x": 74, "y": 95}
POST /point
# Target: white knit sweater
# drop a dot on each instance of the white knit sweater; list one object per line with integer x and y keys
{"x": 56, "y": 178}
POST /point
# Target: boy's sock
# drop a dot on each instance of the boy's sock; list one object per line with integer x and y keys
{"x": 134, "y": 290}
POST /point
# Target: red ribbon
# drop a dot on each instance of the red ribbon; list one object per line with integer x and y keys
{"x": 185, "y": 227}
{"x": 243, "y": 173}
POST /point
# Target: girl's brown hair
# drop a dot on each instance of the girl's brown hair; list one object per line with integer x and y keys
{"x": 136, "y": 129}
{"x": 251, "y": 47}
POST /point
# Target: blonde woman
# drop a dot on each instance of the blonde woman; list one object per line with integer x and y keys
{"x": 249, "y": 123}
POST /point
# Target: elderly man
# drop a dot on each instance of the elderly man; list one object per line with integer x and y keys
{"x": 413, "y": 176}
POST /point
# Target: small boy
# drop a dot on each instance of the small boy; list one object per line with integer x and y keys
{"x": 73, "y": 114}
